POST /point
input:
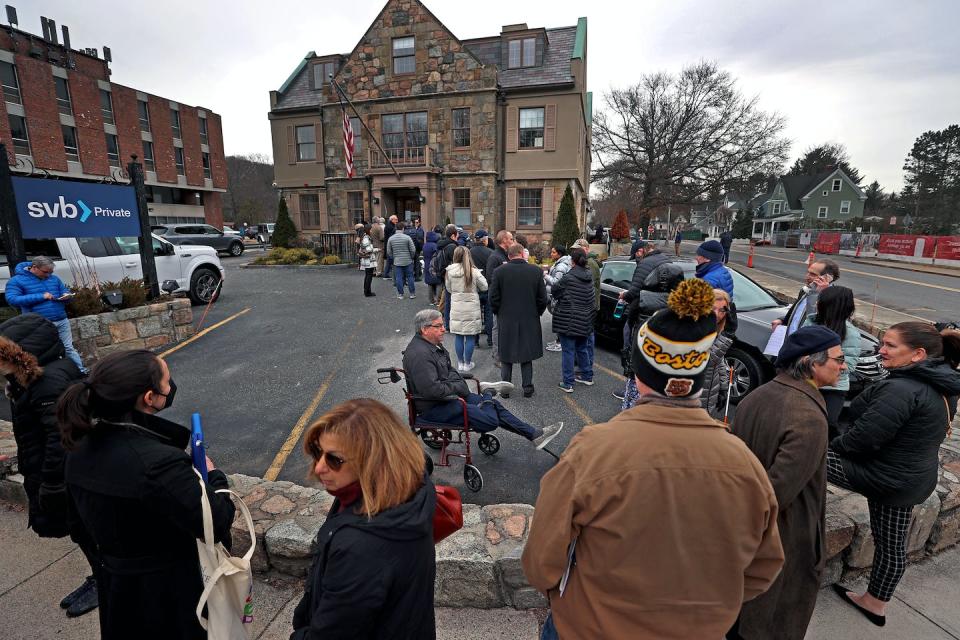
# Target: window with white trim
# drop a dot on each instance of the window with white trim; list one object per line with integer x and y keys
{"x": 529, "y": 207}
{"x": 113, "y": 150}
{"x": 143, "y": 114}
{"x": 404, "y": 56}
{"x": 461, "y": 207}
{"x": 64, "y": 104}
{"x": 175, "y": 122}
{"x": 206, "y": 164}
{"x": 822, "y": 212}
{"x": 845, "y": 206}
{"x": 106, "y": 106}
{"x": 531, "y": 128}
{"x": 148, "y": 162}
{"x": 178, "y": 160}
{"x": 836, "y": 184}
{"x": 204, "y": 139}
{"x": 776, "y": 208}
{"x": 306, "y": 143}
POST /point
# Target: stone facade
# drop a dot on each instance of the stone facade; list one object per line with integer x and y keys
{"x": 147, "y": 327}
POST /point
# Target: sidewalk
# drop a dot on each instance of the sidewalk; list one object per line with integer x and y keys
{"x": 38, "y": 572}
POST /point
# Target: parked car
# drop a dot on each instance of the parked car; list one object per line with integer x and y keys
{"x": 196, "y": 269}
{"x": 756, "y": 309}
{"x": 230, "y": 231}
{"x": 262, "y": 232}
{"x": 204, "y": 234}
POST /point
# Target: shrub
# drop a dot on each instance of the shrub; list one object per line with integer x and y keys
{"x": 87, "y": 300}
{"x": 565, "y": 231}
{"x": 540, "y": 251}
{"x": 330, "y": 260}
{"x": 284, "y": 233}
{"x": 279, "y": 255}
{"x": 621, "y": 228}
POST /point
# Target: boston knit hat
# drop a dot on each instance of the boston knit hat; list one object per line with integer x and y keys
{"x": 711, "y": 250}
{"x": 806, "y": 341}
{"x": 673, "y": 346}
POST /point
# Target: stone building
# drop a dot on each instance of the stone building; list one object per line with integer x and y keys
{"x": 486, "y": 132}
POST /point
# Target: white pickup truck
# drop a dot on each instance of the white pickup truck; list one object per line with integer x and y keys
{"x": 196, "y": 269}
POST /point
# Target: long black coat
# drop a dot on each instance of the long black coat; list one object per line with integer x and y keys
{"x": 372, "y": 578}
{"x": 518, "y": 297}
{"x": 574, "y": 312}
{"x": 791, "y": 444}
{"x": 137, "y": 494}
{"x": 890, "y": 453}
{"x": 33, "y": 412}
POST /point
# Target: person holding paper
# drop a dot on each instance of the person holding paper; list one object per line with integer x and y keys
{"x": 35, "y": 289}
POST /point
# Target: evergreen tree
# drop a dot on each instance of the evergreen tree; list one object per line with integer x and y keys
{"x": 743, "y": 225}
{"x": 820, "y": 158}
{"x": 621, "y": 228}
{"x": 565, "y": 229}
{"x": 284, "y": 233}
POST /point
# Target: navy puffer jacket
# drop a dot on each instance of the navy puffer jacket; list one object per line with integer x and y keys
{"x": 574, "y": 312}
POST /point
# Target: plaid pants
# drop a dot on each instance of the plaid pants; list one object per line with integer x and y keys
{"x": 889, "y": 526}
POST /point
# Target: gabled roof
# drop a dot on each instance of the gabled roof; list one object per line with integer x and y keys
{"x": 797, "y": 187}
{"x": 556, "y": 67}
{"x": 828, "y": 176}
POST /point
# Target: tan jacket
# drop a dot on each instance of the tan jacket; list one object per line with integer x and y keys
{"x": 676, "y": 526}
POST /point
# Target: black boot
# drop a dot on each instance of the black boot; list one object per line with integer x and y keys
{"x": 83, "y": 600}
{"x": 76, "y": 593}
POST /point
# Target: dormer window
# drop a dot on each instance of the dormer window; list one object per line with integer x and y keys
{"x": 522, "y": 53}
{"x": 404, "y": 57}
{"x": 321, "y": 74}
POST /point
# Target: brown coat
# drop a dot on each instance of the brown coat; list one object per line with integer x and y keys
{"x": 784, "y": 423}
{"x": 675, "y": 523}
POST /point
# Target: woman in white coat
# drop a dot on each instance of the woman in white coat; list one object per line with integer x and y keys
{"x": 367, "y": 254}
{"x": 463, "y": 283}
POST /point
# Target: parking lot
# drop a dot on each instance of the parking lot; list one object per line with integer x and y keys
{"x": 295, "y": 342}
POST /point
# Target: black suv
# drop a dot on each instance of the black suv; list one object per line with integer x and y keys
{"x": 204, "y": 234}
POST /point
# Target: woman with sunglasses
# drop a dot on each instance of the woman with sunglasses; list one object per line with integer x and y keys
{"x": 717, "y": 379}
{"x": 138, "y": 495}
{"x": 890, "y": 454}
{"x": 835, "y": 308}
{"x": 373, "y": 572}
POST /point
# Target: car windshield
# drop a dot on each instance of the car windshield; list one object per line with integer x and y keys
{"x": 748, "y": 295}
{"x": 618, "y": 273}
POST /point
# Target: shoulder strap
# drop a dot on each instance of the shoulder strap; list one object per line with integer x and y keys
{"x": 946, "y": 405}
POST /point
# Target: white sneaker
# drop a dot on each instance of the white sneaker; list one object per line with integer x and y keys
{"x": 499, "y": 386}
{"x": 411, "y": 296}
{"x": 460, "y": 367}
{"x": 553, "y": 346}
{"x": 470, "y": 366}
{"x": 549, "y": 433}
{"x": 399, "y": 296}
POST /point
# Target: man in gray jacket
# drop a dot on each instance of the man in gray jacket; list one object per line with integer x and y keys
{"x": 402, "y": 251}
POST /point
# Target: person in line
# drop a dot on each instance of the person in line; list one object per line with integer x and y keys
{"x": 717, "y": 377}
{"x": 429, "y": 248}
{"x": 607, "y": 571}
{"x": 389, "y": 229}
{"x": 573, "y": 320}
{"x": 481, "y": 252}
{"x": 726, "y": 241}
{"x": 464, "y": 282}
{"x": 677, "y": 241}
{"x": 374, "y": 563}
{"x": 446, "y": 246}
{"x": 523, "y": 242}
{"x": 518, "y": 297}
{"x": 502, "y": 242}
{"x": 820, "y": 275}
{"x": 35, "y": 289}
{"x": 367, "y": 252}
{"x": 791, "y": 444}
{"x": 431, "y": 377}
{"x": 648, "y": 257}
{"x": 710, "y": 266}
{"x": 138, "y": 495}
{"x": 554, "y": 274}
{"x": 401, "y": 250}
{"x": 37, "y": 373}
{"x": 598, "y": 235}
{"x": 834, "y": 310}
{"x": 415, "y": 231}
{"x": 891, "y": 452}
{"x": 379, "y": 242}
{"x": 594, "y": 266}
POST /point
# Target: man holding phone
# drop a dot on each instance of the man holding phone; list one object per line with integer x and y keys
{"x": 34, "y": 289}
{"x": 820, "y": 275}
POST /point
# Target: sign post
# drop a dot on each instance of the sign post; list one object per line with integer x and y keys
{"x": 9, "y": 222}
{"x": 149, "y": 265}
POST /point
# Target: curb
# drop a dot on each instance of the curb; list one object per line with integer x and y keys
{"x": 932, "y": 269}
{"x": 305, "y": 267}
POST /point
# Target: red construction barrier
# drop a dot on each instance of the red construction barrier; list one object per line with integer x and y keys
{"x": 904, "y": 245}
{"x": 948, "y": 248}
{"x": 827, "y": 242}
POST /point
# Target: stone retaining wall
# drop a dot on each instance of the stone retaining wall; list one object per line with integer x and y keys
{"x": 147, "y": 327}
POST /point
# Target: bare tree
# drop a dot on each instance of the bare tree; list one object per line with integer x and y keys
{"x": 250, "y": 195}
{"x": 677, "y": 139}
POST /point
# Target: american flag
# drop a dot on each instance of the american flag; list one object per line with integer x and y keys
{"x": 347, "y": 143}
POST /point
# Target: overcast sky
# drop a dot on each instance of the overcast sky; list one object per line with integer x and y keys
{"x": 872, "y": 74}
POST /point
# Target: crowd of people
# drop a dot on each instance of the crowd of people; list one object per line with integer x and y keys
{"x": 668, "y": 521}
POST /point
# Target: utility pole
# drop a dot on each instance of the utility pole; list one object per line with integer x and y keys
{"x": 9, "y": 222}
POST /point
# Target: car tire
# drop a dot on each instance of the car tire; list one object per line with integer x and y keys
{"x": 747, "y": 373}
{"x": 203, "y": 285}
{"x": 236, "y": 249}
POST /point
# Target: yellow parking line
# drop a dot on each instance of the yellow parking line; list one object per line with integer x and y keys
{"x": 203, "y": 333}
{"x": 294, "y": 438}
{"x": 862, "y": 273}
{"x": 577, "y": 409}
{"x": 610, "y": 372}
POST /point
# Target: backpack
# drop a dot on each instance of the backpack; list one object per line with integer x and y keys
{"x": 438, "y": 264}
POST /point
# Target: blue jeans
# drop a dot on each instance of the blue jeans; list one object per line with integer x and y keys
{"x": 575, "y": 348}
{"x": 401, "y": 274}
{"x": 63, "y": 328}
{"x": 464, "y": 348}
{"x": 446, "y": 309}
{"x": 591, "y": 341}
{"x": 485, "y": 414}
{"x": 549, "y": 630}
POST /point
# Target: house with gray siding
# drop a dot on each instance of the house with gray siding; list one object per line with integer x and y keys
{"x": 809, "y": 202}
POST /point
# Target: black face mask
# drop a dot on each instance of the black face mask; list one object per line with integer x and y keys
{"x": 168, "y": 398}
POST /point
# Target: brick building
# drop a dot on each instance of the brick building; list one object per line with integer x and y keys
{"x": 62, "y": 115}
{"x": 487, "y": 132}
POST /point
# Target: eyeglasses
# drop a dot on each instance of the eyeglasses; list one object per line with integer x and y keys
{"x": 436, "y": 326}
{"x": 334, "y": 461}
{"x": 839, "y": 359}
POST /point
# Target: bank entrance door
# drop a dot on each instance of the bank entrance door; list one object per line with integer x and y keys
{"x": 407, "y": 204}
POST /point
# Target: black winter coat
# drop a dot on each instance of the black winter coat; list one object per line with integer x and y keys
{"x": 34, "y": 415}
{"x": 481, "y": 255}
{"x": 650, "y": 262}
{"x": 890, "y": 454}
{"x": 372, "y": 578}
{"x": 574, "y": 312}
{"x": 430, "y": 374}
{"x": 137, "y": 494}
{"x": 495, "y": 261}
{"x": 518, "y": 297}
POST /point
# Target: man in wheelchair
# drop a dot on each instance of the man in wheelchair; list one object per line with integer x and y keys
{"x": 434, "y": 382}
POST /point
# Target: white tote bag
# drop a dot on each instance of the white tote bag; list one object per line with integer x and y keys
{"x": 227, "y": 580}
